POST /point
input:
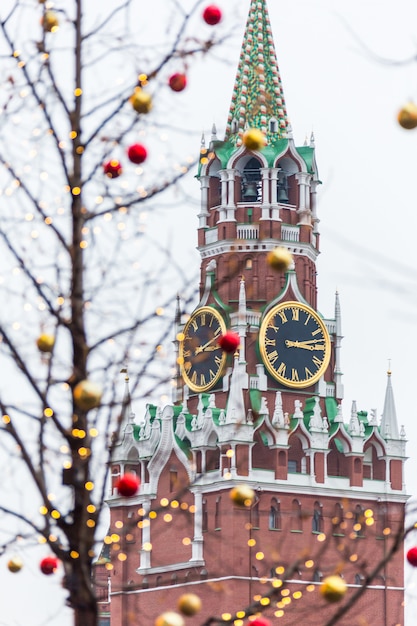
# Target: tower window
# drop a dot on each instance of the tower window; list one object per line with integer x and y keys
{"x": 217, "y": 514}
{"x": 255, "y": 516}
{"x": 317, "y": 521}
{"x": 292, "y": 467}
{"x": 273, "y": 125}
{"x": 173, "y": 480}
{"x": 282, "y": 188}
{"x": 296, "y": 519}
{"x": 381, "y": 520}
{"x": 358, "y": 518}
{"x": 251, "y": 181}
{"x": 337, "y": 520}
{"x": 248, "y": 264}
{"x": 234, "y": 127}
{"x": 275, "y": 515}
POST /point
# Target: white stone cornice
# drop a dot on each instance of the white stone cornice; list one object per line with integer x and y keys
{"x": 225, "y": 246}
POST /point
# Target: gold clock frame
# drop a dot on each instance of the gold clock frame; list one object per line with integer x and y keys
{"x": 270, "y": 315}
{"x": 220, "y": 370}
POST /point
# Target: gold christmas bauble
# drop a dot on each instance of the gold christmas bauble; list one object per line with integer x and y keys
{"x": 50, "y": 21}
{"x": 333, "y": 588}
{"x": 189, "y": 604}
{"x": 254, "y": 139}
{"x": 279, "y": 259}
{"x": 242, "y": 495}
{"x": 87, "y": 395}
{"x": 45, "y": 342}
{"x": 15, "y": 564}
{"x": 169, "y": 618}
{"x": 141, "y": 101}
{"x": 407, "y": 116}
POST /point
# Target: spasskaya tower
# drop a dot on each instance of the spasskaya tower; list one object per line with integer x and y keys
{"x": 270, "y": 416}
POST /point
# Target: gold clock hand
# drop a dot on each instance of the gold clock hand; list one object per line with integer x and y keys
{"x": 298, "y": 343}
{"x": 303, "y": 344}
{"x": 306, "y": 346}
{"x": 205, "y": 347}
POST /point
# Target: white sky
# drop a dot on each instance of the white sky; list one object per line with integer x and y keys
{"x": 367, "y": 204}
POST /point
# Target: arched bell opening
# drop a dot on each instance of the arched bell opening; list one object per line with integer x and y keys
{"x": 251, "y": 182}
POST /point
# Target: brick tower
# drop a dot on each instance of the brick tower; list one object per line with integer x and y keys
{"x": 329, "y": 487}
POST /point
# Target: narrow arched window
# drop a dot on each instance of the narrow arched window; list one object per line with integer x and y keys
{"x": 317, "y": 520}
{"x": 255, "y": 515}
{"x": 251, "y": 181}
{"x": 338, "y": 522}
{"x": 217, "y": 514}
{"x": 358, "y": 521}
{"x": 381, "y": 519}
{"x": 296, "y": 520}
{"x": 173, "y": 480}
{"x": 275, "y": 515}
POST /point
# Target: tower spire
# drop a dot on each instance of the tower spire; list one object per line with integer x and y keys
{"x": 389, "y": 424}
{"x": 258, "y": 98}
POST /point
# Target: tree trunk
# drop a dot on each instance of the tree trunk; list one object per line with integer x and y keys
{"x": 85, "y": 617}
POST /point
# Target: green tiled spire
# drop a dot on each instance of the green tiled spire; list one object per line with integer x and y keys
{"x": 257, "y": 96}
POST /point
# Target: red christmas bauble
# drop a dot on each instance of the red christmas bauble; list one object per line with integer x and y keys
{"x": 260, "y": 621}
{"x": 178, "y": 82}
{"x": 212, "y": 15}
{"x": 128, "y": 485}
{"x": 137, "y": 153}
{"x": 48, "y": 565}
{"x": 412, "y": 556}
{"x": 112, "y": 168}
{"x": 229, "y": 341}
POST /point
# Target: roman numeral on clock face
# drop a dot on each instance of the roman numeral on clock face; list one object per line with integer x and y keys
{"x": 316, "y": 361}
{"x": 273, "y": 356}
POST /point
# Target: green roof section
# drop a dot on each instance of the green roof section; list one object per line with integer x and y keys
{"x": 307, "y": 154}
{"x": 224, "y": 150}
{"x": 331, "y": 408}
{"x": 257, "y": 95}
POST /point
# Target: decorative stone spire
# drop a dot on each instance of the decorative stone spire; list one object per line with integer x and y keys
{"x": 258, "y": 98}
{"x": 242, "y": 318}
{"x": 389, "y": 424}
{"x": 354, "y": 426}
{"x": 128, "y": 416}
{"x": 235, "y": 412}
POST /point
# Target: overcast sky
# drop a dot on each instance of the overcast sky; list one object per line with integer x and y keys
{"x": 336, "y": 83}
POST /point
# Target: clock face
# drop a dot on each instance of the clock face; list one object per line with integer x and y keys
{"x": 294, "y": 344}
{"x": 201, "y": 359}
